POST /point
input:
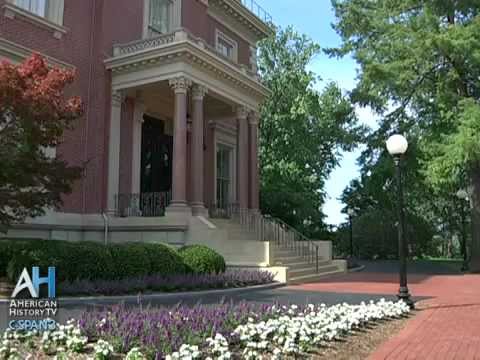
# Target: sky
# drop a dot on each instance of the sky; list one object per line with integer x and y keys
{"x": 314, "y": 18}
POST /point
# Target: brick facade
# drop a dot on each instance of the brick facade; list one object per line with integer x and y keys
{"x": 93, "y": 27}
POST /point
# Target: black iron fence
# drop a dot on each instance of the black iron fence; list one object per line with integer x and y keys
{"x": 142, "y": 205}
{"x": 268, "y": 228}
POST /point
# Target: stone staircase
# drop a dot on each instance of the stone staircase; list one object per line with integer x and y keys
{"x": 288, "y": 248}
{"x": 301, "y": 270}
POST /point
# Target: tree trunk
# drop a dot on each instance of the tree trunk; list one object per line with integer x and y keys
{"x": 475, "y": 202}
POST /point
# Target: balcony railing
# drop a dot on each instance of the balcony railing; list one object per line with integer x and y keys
{"x": 257, "y": 10}
{"x": 142, "y": 205}
{"x": 171, "y": 38}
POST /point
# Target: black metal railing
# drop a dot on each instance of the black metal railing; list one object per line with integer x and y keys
{"x": 268, "y": 228}
{"x": 142, "y": 205}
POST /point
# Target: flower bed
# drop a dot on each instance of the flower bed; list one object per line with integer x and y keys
{"x": 223, "y": 331}
{"x": 168, "y": 283}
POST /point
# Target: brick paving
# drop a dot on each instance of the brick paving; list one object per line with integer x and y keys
{"x": 446, "y": 324}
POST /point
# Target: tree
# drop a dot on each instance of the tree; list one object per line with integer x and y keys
{"x": 33, "y": 116}
{"x": 422, "y": 58}
{"x": 301, "y": 133}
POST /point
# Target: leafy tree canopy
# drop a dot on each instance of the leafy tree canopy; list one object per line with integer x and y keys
{"x": 302, "y": 131}
{"x": 419, "y": 69}
{"x": 33, "y": 116}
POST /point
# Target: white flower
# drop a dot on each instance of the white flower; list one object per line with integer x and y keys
{"x": 102, "y": 350}
{"x": 135, "y": 354}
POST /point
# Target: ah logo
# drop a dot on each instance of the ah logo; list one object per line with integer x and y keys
{"x": 33, "y": 283}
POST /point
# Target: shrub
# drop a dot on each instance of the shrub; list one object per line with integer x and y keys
{"x": 202, "y": 260}
{"x": 92, "y": 261}
{"x": 89, "y": 261}
{"x": 164, "y": 260}
{"x": 130, "y": 260}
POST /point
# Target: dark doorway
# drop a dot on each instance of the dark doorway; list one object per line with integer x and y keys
{"x": 157, "y": 149}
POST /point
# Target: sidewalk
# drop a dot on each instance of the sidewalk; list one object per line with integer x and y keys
{"x": 447, "y": 323}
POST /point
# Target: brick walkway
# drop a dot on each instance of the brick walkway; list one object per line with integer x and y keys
{"x": 446, "y": 325}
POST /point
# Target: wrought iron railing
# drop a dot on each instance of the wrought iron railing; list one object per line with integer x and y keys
{"x": 256, "y": 9}
{"x": 268, "y": 228}
{"x": 142, "y": 205}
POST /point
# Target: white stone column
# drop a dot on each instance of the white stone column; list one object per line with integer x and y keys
{"x": 197, "y": 165}
{"x": 243, "y": 155}
{"x": 137, "y": 145}
{"x": 180, "y": 85}
{"x": 253, "y": 164}
{"x": 114, "y": 150}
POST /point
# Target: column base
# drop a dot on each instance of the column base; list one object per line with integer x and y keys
{"x": 199, "y": 210}
{"x": 178, "y": 208}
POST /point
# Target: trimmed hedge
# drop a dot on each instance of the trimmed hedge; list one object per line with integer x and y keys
{"x": 201, "y": 259}
{"x": 89, "y": 261}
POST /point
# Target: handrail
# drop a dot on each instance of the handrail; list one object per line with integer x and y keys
{"x": 257, "y": 10}
{"x": 268, "y": 228}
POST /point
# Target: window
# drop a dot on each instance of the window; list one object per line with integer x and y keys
{"x": 37, "y": 7}
{"x": 51, "y": 10}
{"x": 226, "y": 46}
{"x": 159, "y": 22}
{"x": 223, "y": 176}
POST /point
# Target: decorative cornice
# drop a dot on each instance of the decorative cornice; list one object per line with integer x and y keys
{"x": 152, "y": 54}
{"x": 243, "y": 16}
{"x": 180, "y": 84}
{"x": 199, "y": 92}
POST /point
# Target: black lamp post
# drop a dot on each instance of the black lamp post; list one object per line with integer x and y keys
{"x": 351, "y": 212}
{"x": 397, "y": 146}
{"x": 463, "y": 196}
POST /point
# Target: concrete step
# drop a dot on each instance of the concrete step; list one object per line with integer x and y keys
{"x": 296, "y": 273}
{"x": 291, "y": 253}
{"x": 312, "y": 277}
{"x": 305, "y": 264}
{"x": 293, "y": 259}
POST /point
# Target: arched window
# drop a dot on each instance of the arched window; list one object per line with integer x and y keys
{"x": 159, "y": 16}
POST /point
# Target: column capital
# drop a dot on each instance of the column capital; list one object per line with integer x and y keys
{"x": 180, "y": 84}
{"x": 254, "y": 118}
{"x": 140, "y": 110}
{"x": 199, "y": 92}
{"x": 117, "y": 98}
{"x": 242, "y": 112}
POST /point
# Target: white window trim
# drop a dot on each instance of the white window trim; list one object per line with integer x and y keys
{"x": 228, "y": 39}
{"x": 233, "y": 166}
{"x": 11, "y": 11}
{"x": 175, "y": 13}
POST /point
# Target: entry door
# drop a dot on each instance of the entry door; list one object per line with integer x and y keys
{"x": 224, "y": 176}
{"x": 157, "y": 150}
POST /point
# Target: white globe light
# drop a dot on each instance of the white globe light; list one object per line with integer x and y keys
{"x": 397, "y": 145}
{"x": 462, "y": 194}
{"x": 350, "y": 212}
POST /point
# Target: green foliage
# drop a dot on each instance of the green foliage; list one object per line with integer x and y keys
{"x": 202, "y": 260}
{"x": 164, "y": 259}
{"x": 301, "y": 133}
{"x": 130, "y": 260}
{"x": 419, "y": 69}
{"x": 89, "y": 261}
{"x": 376, "y": 237}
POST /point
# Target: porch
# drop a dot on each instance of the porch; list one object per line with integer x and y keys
{"x": 183, "y": 129}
